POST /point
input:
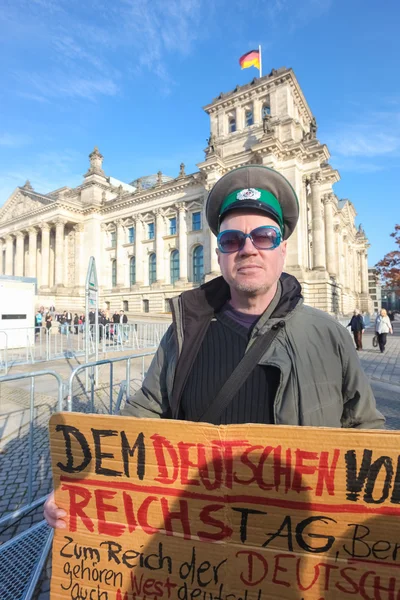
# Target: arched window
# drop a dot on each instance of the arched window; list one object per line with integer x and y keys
{"x": 174, "y": 266}
{"x": 249, "y": 117}
{"x": 114, "y": 273}
{"x": 152, "y": 268}
{"x": 198, "y": 264}
{"x": 132, "y": 271}
{"x": 232, "y": 125}
{"x": 266, "y": 110}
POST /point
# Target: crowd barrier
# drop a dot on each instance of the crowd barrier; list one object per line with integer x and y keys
{"x": 36, "y": 344}
{"x": 23, "y": 557}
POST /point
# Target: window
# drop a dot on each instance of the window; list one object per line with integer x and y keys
{"x": 150, "y": 231}
{"x": 198, "y": 264}
{"x": 196, "y": 221}
{"x": 125, "y": 305}
{"x": 249, "y": 118}
{"x": 172, "y": 226}
{"x": 146, "y": 306}
{"x": 132, "y": 271}
{"x": 113, "y": 239}
{"x": 113, "y": 273}
{"x": 266, "y": 110}
{"x": 167, "y": 305}
{"x": 131, "y": 235}
{"x": 152, "y": 268}
{"x": 174, "y": 266}
{"x": 107, "y": 305}
{"x": 232, "y": 125}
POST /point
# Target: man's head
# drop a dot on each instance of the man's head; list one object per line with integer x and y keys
{"x": 356, "y": 312}
{"x": 253, "y": 210}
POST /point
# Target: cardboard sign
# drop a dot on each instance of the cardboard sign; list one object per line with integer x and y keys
{"x": 161, "y": 510}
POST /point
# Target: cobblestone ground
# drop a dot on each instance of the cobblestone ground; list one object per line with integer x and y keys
{"x": 383, "y": 371}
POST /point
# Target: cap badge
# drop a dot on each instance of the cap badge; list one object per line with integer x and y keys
{"x": 248, "y": 194}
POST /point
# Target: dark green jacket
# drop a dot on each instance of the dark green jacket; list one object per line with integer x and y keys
{"x": 321, "y": 380}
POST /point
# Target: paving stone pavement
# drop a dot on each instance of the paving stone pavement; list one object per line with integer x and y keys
{"x": 382, "y": 369}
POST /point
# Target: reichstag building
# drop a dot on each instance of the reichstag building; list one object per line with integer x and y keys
{"x": 150, "y": 237}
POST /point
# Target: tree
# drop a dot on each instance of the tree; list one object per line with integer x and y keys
{"x": 389, "y": 266}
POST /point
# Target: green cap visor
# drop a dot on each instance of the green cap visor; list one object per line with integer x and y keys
{"x": 257, "y": 199}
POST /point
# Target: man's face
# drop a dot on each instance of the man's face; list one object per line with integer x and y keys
{"x": 251, "y": 270}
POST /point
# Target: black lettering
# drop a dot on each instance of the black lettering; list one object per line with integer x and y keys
{"x": 112, "y": 549}
{"x": 395, "y": 499}
{"x": 67, "y": 431}
{"x": 243, "y": 523}
{"x": 62, "y": 551}
{"x": 97, "y": 435}
{"x": 354, "y": 481}
{"x": 128, "y": 451}
{"x": 355, "y": 552}
{"x": 330, "y": 540}
{"x": 286, "y": 524}
{"x": 386, "y": 462}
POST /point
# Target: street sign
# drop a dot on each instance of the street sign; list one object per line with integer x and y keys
{"x": 91, "y": 304}
{"x": 91, "y": 278}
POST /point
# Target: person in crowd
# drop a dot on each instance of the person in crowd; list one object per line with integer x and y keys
{"x": 76, "y": 324}
{"x": 383, "y": 326}
{"x": 48, "y": 319}
{"x": 63, "y": 323}
{"x": 357, "y": 328}
{"x": 38, "y": 319}
{"x": 295, "y": 365}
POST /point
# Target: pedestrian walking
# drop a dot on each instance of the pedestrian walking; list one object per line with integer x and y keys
{"x": 357, "y": 327}
{"x": 76, "y": 323}
{"x": 48, "y": 319}
{"x": 383, "y": 326}
{"x": 297, "y": 365}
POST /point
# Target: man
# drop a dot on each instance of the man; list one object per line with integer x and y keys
{"x": 357, "y": 327}
{"x": 308, "y": 373}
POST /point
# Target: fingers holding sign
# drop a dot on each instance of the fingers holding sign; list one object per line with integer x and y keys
{"x": 54, "y": 515}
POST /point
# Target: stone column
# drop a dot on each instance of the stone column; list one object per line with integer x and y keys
{"x": 364, "y": 271}
{"x": 139, "y": 249}
{"x": 120, "y": 254}
{"x": 19, "y": 257}
{"x": 9, "y": 255}
{"x": 79, "y": 255}
{"x": 331, "y": 265}
{"x": 59, "y": 258}
{"x": 2, "y": 245}
{"x": 183, "y": 251}
{"x": 160, "y": 231}
{"x": 317, "y": 224}
{"x": 44, "y": 282}
{"x": 32, "y": 251}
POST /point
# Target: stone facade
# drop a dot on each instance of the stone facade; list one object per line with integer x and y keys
{"x": 150, "y": 238}
{"x": 375, "y": 288}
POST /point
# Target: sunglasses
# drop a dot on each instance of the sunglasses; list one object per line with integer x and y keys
{"x": 265, "y": 237}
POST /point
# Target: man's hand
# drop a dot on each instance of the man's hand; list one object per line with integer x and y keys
{"x": 53, "y": 514}
{"x": 363, "y": 330}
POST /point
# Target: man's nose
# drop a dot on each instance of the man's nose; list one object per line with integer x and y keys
{"x": 248, "y": 248}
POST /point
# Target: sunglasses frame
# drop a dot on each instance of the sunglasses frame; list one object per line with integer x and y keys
{"x": 249, "y": 235}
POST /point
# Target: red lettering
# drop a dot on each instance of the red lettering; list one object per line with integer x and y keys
{"x": 328, "y": 568}
{"x": 217, "y": 465}
{"x": 169, "y": 586}
{"x": 260, "y": 471}
{"x": 378, "y": 588}
{"x": 76, "y": 508}
{"x": 347, "y": 578}
{"x": 148, "y": 585}
{"x": 205, "y": 517}
{"x": 130, "y": 515}
{"x": 326, "y": 474}
{"x": 119, "y": 595}
{"x": 285, "y": 470}
{"x": 281, "y": 569}
{"x": 160, "y": 443}
{"x": 302, "y": 587}
{"x": 184, "y": 448}
{"x": 362, "y": 587}
{"x": 247, "y": 462}
{"x": 136, "y": 587}
{"x": 182, "y": 516}
{"x": 227, "y": 447}
{"x": 302, "y": 469}
{"x": 142, "y": 515}
{"x": 255, "y": 561}
{"x": 114, "y": 529}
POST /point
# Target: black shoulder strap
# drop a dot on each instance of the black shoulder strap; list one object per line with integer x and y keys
{"x": 240, "y": 375}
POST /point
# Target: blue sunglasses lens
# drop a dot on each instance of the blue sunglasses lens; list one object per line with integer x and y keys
{"x": 263, "y": 238}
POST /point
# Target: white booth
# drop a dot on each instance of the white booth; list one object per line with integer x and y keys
{"x": 17, "y": 311}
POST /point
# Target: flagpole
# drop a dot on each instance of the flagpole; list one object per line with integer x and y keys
{"x": 259, "y": 49}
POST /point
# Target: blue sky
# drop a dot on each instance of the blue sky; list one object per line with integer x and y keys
{"x": 131, "y": 76}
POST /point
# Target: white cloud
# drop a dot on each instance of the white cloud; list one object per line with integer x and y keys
{"x": 58, "y": 85}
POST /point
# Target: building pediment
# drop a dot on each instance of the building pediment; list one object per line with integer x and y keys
{"x": 22, "y": 204}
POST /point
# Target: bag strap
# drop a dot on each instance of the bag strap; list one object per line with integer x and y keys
{"x": 240, "y": 375}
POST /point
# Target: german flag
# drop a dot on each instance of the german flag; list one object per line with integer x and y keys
{"x": 250, "y": 59}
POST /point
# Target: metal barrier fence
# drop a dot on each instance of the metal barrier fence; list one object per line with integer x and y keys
{"x": 36, "y": 344}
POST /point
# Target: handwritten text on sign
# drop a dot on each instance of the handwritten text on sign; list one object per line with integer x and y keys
{"x": 171, "y": 510}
